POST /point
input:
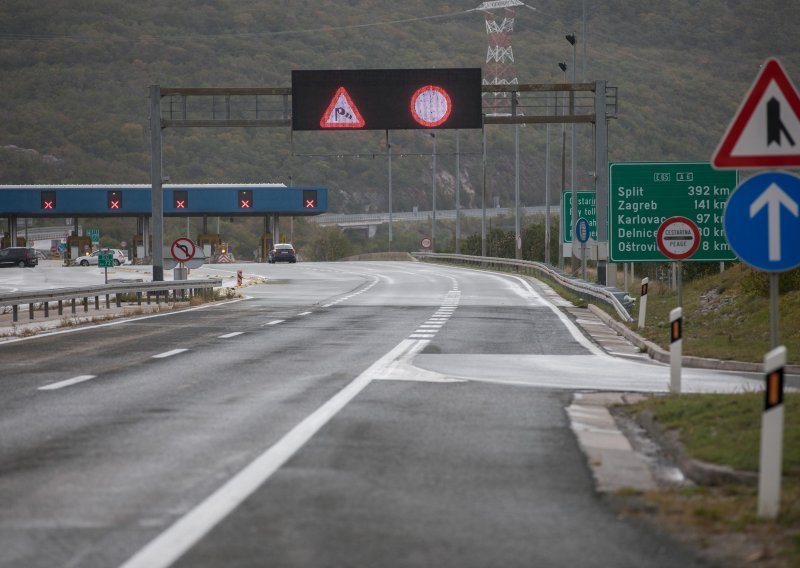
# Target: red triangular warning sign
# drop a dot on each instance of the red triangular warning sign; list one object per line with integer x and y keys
{"x": 342, "y": 112}
{"x": 766, "y": 129}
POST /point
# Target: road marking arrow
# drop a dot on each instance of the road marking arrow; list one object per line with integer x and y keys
{"x": 773, "y": 197}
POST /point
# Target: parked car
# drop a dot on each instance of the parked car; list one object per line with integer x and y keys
{"x": 92, "y": 259}
{"x": 18, "y": 256}
{"x": 282, "y": 253}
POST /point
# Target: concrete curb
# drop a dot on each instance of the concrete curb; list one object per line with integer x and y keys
{"x": 659, "y": 354}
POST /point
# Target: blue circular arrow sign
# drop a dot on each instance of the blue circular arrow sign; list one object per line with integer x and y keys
{"x": 762, "y": 221}
{"x": 582, "y": 230}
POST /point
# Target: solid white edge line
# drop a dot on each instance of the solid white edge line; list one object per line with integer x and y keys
{"x": 171, "y": 544}
{"x": 571, "y": 327}
{"x": 169, "y": 353}
{"x": 68, "y": 382}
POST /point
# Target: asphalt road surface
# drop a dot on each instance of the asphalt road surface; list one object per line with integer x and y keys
{"x": 343, "y": 414}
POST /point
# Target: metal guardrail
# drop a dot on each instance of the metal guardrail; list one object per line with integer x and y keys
{"x": 44, "y": 297}
{"x": 584, "y": 289}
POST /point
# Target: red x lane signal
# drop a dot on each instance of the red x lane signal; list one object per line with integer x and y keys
{"x": 310, "y": 198}
{"x": 245, "y": 199}
{"x": 180, "y": 199}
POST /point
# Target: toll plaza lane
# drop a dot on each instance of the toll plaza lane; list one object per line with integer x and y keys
{"x": 332, "y": 419}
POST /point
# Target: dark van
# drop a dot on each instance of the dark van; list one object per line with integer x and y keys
{"x": 18, "y": 256}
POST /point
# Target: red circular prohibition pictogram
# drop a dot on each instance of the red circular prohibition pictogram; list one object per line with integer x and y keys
{"x": 431, "y": 106}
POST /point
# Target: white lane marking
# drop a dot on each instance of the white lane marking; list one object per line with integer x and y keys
{"x": 274, "y": 322}
{"x": 232, "y": 334}
{"x": 305, "y": 313}
{"x": 169, "y": 353}
{"x": 170, "y": 545}
{"x": 121, "y": 321}
{"x": 422, "y": 336}
{"x": 573, "y": 330}
{"x": 431, "y": 326}
{"x": 68, "y": 382}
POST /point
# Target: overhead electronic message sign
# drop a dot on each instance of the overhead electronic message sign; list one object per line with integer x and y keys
{"x": 386, "y": 99}
{"x": 644, "y": 195}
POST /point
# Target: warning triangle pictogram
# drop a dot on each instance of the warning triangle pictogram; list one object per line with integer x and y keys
{"x": 766, "y": 129}
{"x": 342, "y": 112}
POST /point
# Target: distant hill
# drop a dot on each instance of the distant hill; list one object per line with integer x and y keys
{"x": 73, "y": 103}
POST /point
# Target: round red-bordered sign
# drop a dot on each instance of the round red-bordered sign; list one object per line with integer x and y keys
{"x": 425, "y": 242}
{"x": 678, "y": 238}
{"x": 431, "y": 106}
{"x": 182, "y": 249}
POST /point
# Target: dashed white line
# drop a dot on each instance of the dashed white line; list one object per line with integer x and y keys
{"x": 232, "y": 334}
{"x": 68, "y": 382}
{"x": 274, "y": 322}
{"x": 169, "y": 353}
{"x": 305, "y": 313}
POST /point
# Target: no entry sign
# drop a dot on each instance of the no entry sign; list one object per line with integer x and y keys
{"x": 678, "y": 238}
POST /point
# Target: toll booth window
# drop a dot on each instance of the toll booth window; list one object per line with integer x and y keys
{"x": 309, "y": 199}
{"x": 114, "y": 200}
{"x": 245, "y": 200}
{"x": 180, "y": 199}
{"x": 48, "y": 200}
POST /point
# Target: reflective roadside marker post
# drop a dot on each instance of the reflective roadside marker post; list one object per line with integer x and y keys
{"x": 643, "y": 302}
{"x": 239, "y": 278}
{"x": 675, "y": 349}
{"x": 771, "y": 456}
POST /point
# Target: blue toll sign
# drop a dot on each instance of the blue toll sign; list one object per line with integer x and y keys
{"x": 762, "y": 221}
{"x": 582, "y": 230}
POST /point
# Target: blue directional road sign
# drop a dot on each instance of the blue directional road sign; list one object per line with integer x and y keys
{"x": 582, "y": 230}
{"x": 762, "y": 221}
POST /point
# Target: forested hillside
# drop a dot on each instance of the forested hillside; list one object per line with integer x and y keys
{"x": 73, "y": 106}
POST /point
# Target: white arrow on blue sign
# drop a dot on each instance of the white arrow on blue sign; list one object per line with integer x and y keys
{"x": 762, "y": 221}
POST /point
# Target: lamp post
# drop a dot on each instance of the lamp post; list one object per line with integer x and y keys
{"x": 572, "y": 41}
{"x": 563, "y": 66}
{"x": 433, "y": 190}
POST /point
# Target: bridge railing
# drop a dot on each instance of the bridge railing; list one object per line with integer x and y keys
{"x": 159, "y": 290}
{"x": 586, "y": 290}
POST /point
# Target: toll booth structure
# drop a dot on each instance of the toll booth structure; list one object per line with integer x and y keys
{"x": 179, "y": 200}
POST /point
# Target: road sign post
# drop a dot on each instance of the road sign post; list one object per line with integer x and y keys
{"x": 675, "y": 349}
{"x": 763, "y": 220}
{"x": 582, "y": 233}
{"x": 678, "y": 238}
{"x": 104, "y": 260}
{"x": 771, "y": 454}
{"x": 643, "y": 302}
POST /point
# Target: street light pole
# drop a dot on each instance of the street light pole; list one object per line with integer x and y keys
{"x": 563, "y": 66}
{"x": 572, "y": 41}
{"x": 433, "y": 189}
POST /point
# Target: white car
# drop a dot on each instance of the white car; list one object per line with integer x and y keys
{"x": 92, "y": 259}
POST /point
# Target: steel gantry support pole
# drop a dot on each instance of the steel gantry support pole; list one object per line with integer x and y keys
{"x": 156, "y": 196}
{"x": 601, "y": 178}
{"x": 458, "y": 194}
{"x": 389, "y": 156}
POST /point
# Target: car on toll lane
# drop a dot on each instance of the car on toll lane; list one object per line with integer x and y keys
{"x": 282, "y": 253}
{"x": 18, "y": 256}
{"x": 92, "y": 259}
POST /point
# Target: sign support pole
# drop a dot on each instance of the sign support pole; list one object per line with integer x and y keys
{"x": 157, "y": 200}
{"x": 774, "y": 291}
{"x": 679, "y": 277}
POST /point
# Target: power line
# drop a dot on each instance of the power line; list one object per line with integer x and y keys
{"x": 146, "y": 38}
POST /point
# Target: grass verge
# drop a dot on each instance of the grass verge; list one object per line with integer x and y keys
{"x": 722, "y": 521}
